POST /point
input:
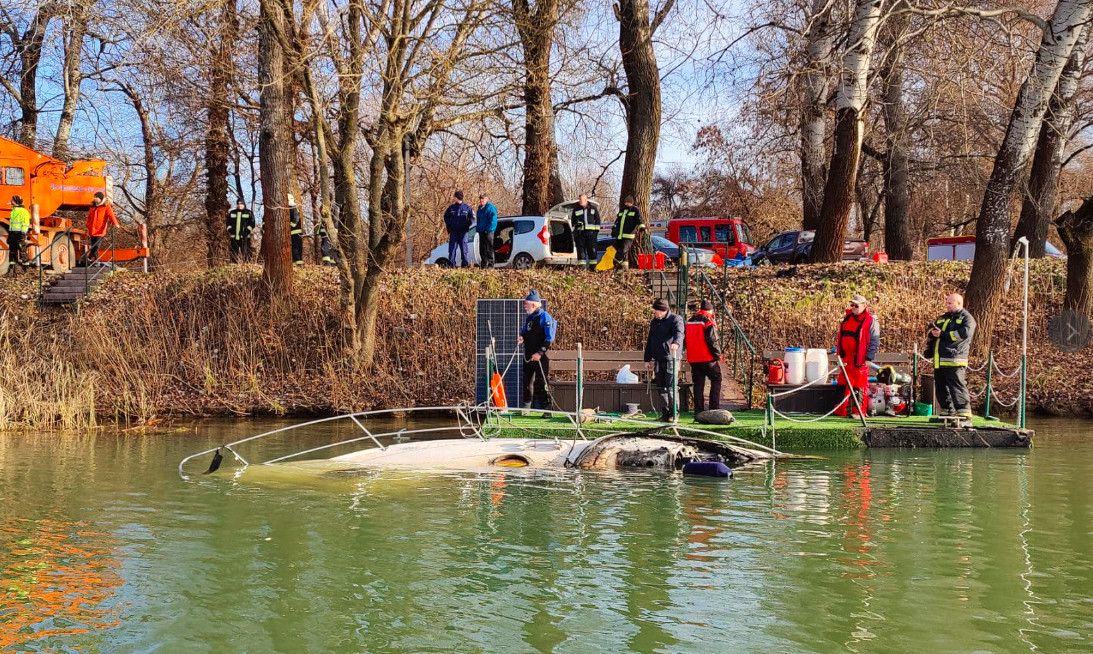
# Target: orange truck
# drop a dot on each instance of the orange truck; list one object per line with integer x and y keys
{"x": 58, "y": 196}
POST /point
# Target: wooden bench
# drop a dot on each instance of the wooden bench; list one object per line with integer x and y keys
{"x": 821, "y": 398}
{"x": 608, "y": 394}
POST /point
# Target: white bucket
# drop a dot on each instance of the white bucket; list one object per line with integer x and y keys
{"x": 816, "y": 366}
{"x": 795, "y": 365}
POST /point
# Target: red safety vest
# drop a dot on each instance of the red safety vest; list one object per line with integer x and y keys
{"x": 854, "y": 337}
{"x": 698, "y": 351}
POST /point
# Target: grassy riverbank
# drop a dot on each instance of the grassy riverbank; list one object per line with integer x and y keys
{"x": 146, "y": 347}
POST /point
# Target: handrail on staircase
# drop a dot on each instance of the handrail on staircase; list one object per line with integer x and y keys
{"x": 38, "y": 258}
{"x": 744, "y": 351}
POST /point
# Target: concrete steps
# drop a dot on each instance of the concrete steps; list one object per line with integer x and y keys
{"x": 74, "y": 285}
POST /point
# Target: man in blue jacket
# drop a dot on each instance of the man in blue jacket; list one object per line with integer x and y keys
{"x": 662, "y": 349}
{"x": 537, "y": 335}
{"x": 458, "y": 220}
{"x": 485, "y": 224}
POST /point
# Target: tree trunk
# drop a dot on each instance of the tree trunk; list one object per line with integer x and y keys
{"x": 1076, "y": 230}
{"x": 75, "y": 25}
{"x": 898, "y": 243}
{"x": 28, "y": 49}
{"x": 275, "y": 151}
{"x": 992, "y": 232}
{"x": 536, "y": 30}
{"x": 813, "y": 124}
{"x": 216, "y": 135}
{"x": 1038, "y": 206}
{"x": 849, "y": 131}
{"x": 642, "y": 101}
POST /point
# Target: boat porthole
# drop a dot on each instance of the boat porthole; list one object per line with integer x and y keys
{"x": 511, "y": 461}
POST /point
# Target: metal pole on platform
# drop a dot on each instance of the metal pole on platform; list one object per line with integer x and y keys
{"x": 769, "y": 415}
{"x": 914, "y": 376}
{"x": 580, "y": 382}
{"x": 1024, "y": 343}
{"x": 987, "y": 398}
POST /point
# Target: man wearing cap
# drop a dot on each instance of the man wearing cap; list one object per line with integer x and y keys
{"x": 662, "y": 350}
{"x": 18, "y": 226}
{"x": 485, "y": 223}
{"x": 856, "y": 344}
{"x": 704, "y": 356}
{"x": 537, "y": 335}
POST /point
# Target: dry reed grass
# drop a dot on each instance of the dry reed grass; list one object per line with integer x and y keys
{"x": 145, "y": 347}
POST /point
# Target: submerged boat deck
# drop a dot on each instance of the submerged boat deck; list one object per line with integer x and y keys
{"x": 824, "y": 434}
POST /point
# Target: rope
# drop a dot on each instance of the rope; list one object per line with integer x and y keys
{"x": 826, "y": 415}
{"x": 979, "y": 368}
{"x": 1004, "y": 404}
{"x": 998, "y": 369}
{"x": 801, "y": 388}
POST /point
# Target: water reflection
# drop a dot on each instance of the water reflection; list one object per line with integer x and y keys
{"x": 60, "y": 579}
{"x": 102, "y": 548}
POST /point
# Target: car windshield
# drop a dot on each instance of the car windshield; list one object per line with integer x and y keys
{"x": 1052, "y": 251}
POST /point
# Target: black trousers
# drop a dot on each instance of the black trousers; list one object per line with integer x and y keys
{"x": 485, "y": 249}
{"x": 622, "y": 252}
{"x": 664, "y": 380}
{"x": 586, "y": 245}
{"x": 700, "y": 372}
{"x": 92, "y": 253}
{"x": 535, "y": 383}
{"x": 297, "y": 248}
{"x": 15, "y": 250}
{"x": 240, "y": 249}
{"x": 951, "y": 389}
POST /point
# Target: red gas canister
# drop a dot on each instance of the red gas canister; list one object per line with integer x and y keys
{"x": 776, "y": 372}
{"x": 659, "y": 259}
{"x": 881, "y": 257}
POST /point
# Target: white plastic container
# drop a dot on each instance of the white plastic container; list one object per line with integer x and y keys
{"x": 795, "y": 365}
{"x": 816, "y": 366}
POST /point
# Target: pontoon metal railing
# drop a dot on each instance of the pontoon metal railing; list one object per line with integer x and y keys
{"x": 349, "y": 416}
{"x": 744, "y": 352}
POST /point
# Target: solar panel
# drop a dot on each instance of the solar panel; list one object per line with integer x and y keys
{"x": 502, "y": 320}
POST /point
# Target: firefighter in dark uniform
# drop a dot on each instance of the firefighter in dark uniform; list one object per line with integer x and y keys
{"x": 240, "y": 224}
{"x": 537, "y": 335}
{"x": 296, "y": 231}
{"x": 326, "y": 250}
{"x": 585, "y": 219}
{"x": 662, "y": 350}
{"x": 627, "y": 224}
{"x": 704, "y": 356}
{"x": 948, "y": 342}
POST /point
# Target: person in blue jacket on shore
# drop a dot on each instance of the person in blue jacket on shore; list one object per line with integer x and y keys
{"x": 537, "y": 335}
{"x": 485, "y": 225}
{"x": 458, "y": 220}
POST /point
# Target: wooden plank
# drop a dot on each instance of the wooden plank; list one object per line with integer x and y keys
{"x": 882, "y": 357}
{"x": 596, "y": 355}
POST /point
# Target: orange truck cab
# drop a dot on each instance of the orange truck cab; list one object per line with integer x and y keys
{"x": 58, "y": 196}
{"x": 730, "y": 238}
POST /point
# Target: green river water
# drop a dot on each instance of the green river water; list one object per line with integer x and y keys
{"x": 103, "y": 548}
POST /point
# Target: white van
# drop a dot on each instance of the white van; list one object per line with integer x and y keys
{"x": 523, "y": 241}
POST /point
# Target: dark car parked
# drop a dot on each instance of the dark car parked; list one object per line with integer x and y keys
{"x": 795, "y": 246}
{"x": 698, "y": 256}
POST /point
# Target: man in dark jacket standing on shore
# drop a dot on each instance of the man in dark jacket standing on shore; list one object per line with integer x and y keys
{"x": 485, "y": 223}
{"x": 537, "y": 335}
{"x": 948, "y": 342}
{"x": 704, "y": 356}
{"x": 627, "y": 224}
{"x": 240, "y": 225}
{"x": 662, "y": 350}
{"x": 585, "y": 220}
{"x": 458, "y": 220}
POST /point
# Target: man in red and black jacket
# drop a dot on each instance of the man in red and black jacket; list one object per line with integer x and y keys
{"x": 704, "y": 356}
{"x": 856, "y": 344}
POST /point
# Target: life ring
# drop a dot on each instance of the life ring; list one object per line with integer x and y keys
{"x": 497, "y": 392}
